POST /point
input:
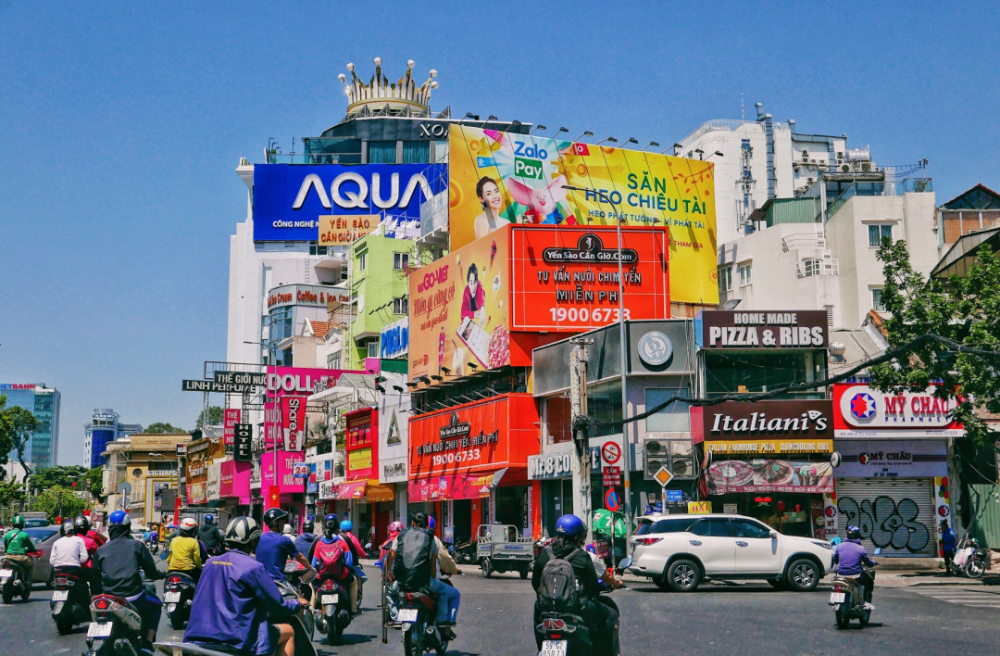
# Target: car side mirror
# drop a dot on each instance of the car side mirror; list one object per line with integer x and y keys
{"x": 774, "y": 534}
{"x": 878, "y": 551}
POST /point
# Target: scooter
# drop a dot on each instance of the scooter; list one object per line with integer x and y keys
{"x": 848, "y": 599}
{"x": 116, "y": 627}
{"x": 70, "y": 604}
{"x": 13, "y": 580}
{"x": 295, "y": 585}
{"x": 417, "y": 613}
{"x": 334, "y": 612}
{"x": 565, "y": 634}
{"x": 303, "y": 645}
{"x": 969, "y": 559}
{"x": 178, "y": 594}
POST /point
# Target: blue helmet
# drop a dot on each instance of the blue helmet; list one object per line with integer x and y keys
{"x": 119, "y": 518}
{"x": 209, "y": 519}
{"x": 346, "y": 525}
{"x": 570, "y": 525}
{"x": 430, "y": 522}
{"x": 853, "y": 533}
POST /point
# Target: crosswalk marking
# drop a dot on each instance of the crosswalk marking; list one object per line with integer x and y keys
{"x": 971, "y": 597}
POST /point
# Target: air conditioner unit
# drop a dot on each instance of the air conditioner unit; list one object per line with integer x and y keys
{"x": 845, "y": 168}
{"x": 678, "y": 456}
{"x": 805, "y": 155}
{"x": 866, "y": 167}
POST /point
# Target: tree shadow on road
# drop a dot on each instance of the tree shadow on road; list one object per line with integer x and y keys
{"x": 725, "y": 588}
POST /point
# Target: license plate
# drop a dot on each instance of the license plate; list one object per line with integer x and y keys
{"x": 330, "y": 599}
{"x": 6, "y": 573}
{"x": 99, "y": 629}
{"x": 837, "y": 597}
{"x": 60, "y": 595}
{"x": 408, "y": 615}
{"x": 172, "y": 597}
{"x": 553, "y": 648}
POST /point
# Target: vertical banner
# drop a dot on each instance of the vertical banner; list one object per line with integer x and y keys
{"x": 231, "y": 418}
{"x": 293, "y": 416}
{"x": 274, "y": 496}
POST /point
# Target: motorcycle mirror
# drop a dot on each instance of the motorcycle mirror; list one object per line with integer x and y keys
{"x": 625, "y": 563}
{"x": 878, "y": 551}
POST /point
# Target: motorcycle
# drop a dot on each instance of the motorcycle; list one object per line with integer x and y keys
{"x": 848, "y": 599}
{"x": 70, "y": 604}
{"x": 303, "y": 644}
{"x": 13, "y": 580}
{"x": 296, "y": 584}
{"x": 178, "y": 594}
{"x": 969, "y": 559}
{"x": 334, "y": 612}
{"x": 115, "y": 628}
{"x": 562, "y": 634}
{"x": 417, "y": 615}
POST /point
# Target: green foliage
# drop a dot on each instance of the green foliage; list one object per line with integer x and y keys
{"x": 60, "y": 498}
{"x": 11, "y": 492}
{"x": 16, "y": 427}
{"x": 95, "y": 482}
{"x": 47, "y": 479}
{"x": 211, "y": 416}
{"x": 161, "y": 428}
{"x": 965, "y": 310}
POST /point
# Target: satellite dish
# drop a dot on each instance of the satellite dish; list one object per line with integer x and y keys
{"x": 125, "y": 488}
{"x": 361, "y": 303}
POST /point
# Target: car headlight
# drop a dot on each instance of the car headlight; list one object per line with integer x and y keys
{"x": 825, "y": 545}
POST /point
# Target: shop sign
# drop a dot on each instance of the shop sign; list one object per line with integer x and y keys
{"x": 301, "y": 381}
{"x": 231, "y": 417}
{"x": 342, "y": 230}
{"x": 240, "y": 378}
{"x": 729, "y": 476}
{"x": 765, "y": 420}
{"x": 892, "y": 458}
{"x": 359, "y": 459}
{"x": 728, "y": 329}
{"x": 395, "y": 339}
{"x": 375, "y": 493}
{"x": 213, "y": 481}
{"x": 768, "y": 447}
{"x": 550, "y": 465}
{"x": 861, "y": 411}
{"x": 393, "y": 472}
{"x": 327, "y": 490}
{"x": 242, "y": 436}
{"x": 212, "y": 386}
{"x": 286, "y": 477}
{"x": 699, "y": 507}
{"x": 307, "y": 295}
{"x": 293, "y": 418}
{"x": 300, "y": 470}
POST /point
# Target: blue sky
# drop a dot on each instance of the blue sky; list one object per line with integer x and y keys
{"x": 122, "y": 123}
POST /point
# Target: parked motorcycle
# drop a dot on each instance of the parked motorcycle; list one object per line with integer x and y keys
{"x": 565, "y": 634}
{"x": 334, "y": 612}
{"x": 70, "y": 604}
{"x": 13, "y": 580}
{"x": 848, "y": 599}
{"x": 178, "y": 594}
{"x": 969, "y": 559}
{"x": 417, "y": 615}
{"x": 116, "y": 627}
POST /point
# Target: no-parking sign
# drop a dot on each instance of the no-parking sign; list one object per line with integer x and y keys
{"x": 612, "y": 501}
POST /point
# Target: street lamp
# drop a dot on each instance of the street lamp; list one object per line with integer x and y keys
{"x": 609, "y": 140}
{"x": 651, "y": 143}
{"x": 626, "y": 450}
{"x": 586, "y": 133}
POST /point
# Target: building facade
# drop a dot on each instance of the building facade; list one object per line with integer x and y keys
{"x": 44, "y": 403}
{"x": 104, "y": 428}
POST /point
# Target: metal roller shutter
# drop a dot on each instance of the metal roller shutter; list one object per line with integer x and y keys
{"x": 895, "y": 514}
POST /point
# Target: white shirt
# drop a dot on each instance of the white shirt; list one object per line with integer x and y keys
{"x": 69, "y": 551}
{"x": 599, "y": 565}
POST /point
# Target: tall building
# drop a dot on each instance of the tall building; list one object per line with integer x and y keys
{"x": 43, "y": 402}
{"x": 103, "y": 429}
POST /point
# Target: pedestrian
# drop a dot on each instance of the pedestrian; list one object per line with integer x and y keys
{"x": 947, "y": 545}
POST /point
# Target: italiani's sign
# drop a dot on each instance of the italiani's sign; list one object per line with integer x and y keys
{"x": 763, "y": 330}
{"x": 763, "y": 420}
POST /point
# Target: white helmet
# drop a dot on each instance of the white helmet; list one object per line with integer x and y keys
{"x": 242, "y": 531}
{"x": 287, "y": 530}
{"x": 188, "y": 525}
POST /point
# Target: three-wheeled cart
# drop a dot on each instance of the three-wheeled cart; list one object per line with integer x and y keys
{"x": 501, "y": 548}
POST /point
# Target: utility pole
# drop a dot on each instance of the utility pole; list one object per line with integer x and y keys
{"x": 580, "y": 423}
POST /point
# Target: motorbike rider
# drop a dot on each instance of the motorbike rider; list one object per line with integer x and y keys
{"x": 211, "y": 536}
{"x": 187, "y": 554}
{"x": 119, "y": 566}
{"x": 346, "y": 532}
{"x": 274, "y": 549}
{"x": 288, "y": 532}
{"x": 850, "y": 558}
{"x": 604, "y": 573}
{"x": 17, "y": 545}
{"x": 339, "y": 568}
{"x": 234, "y": 597}
{"x": 304, "y": 541}
{"x": 69, "y": 556}
{"x": 446, "y": 565}
{"x": 392, "y": 587}
{"x": 571, "y": 534}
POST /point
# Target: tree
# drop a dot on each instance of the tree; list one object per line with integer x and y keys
{"x": 60, "y": 501}
{"x": 95, "y": 482}
{"x": 16, "y": 427}
{"x": 61, "y": 476}
{"x": 965, "y": 311}
{"x": 161, "y": 428}
{"x": 211, "y": 416}
{"x": 11, "y": 493}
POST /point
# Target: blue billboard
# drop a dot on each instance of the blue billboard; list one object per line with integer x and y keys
{"x": 288, "y": 199}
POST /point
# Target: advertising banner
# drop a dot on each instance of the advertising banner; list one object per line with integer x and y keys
{"x": 393, "y": 422}
{"x": 198, "y": 453}
{"x": 287, "y": 482}
{"x": 566, "y": 278}
{"x": 293, "y": 420}
{"x": 289, "y": 201}
{"x": 459, "y": 309}
{"x": 728, "y": 476}
{"x": 395, "y": 339}
{"x": 450, "y": 487}
{"x": 861, "y": 412}
{"x": 230, "y": 419}
{"x": 726, "y": 329}
{"x": 234, "y": 480}
{"x": 342, "y": 230}
{"x": 498, "y": 178}
{"x": 892, "y": 458}
{"x": 480, "y": 437}
{"x": 767, "y": 421}
{"x": 361, "y": 436}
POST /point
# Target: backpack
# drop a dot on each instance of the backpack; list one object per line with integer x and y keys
{"x": 412, "y": 565}
{"x": 330, "y": 558}
{"x": 558, "y": 590}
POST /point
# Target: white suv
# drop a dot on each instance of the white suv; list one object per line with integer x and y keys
{"x": 680, "y": 551}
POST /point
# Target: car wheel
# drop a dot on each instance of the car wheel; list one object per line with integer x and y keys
{"x": 803, "y": 575}
{"x": 778, "y": 584}
{"x": 683, "y": 575}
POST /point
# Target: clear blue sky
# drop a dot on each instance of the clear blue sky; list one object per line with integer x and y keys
{"x": 122, "y": 123}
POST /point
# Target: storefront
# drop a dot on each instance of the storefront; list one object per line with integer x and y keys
{"x": 892, "y": 480}
{"x": 469, "y": 465}
{"x": 769, "y": 460}
{"x": 234, "y": 486}
{"x": 284, "y": 490}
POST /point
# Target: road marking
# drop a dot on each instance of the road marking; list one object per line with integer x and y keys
{"x": 973, "y": 598}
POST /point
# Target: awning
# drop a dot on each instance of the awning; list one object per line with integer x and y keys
{"x": 375, "y": 493}
{"x": 351, "y": 491}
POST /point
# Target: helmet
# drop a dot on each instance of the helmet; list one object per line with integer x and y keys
{"x": 430, "y": 522}
{"x": 209, "y": 519}
{"x": 420, "y": 519}
{"x": 66, "y": 529}
{"x": 395, "y": 527}
{"x": 81, "y": 525}
{"x": 308, "y": 526}
{"x": 119, "y": 518}
{"x": 346, "y": 525}
{"x": 331, "y": 522}
{"x": 287, "y": 530}
{"x": 273, "y": 516}
{"x": 570, "y": 525}
{"x": 189, "y": 525}
{"x": 591, "y": 548}
{"x": 242, "y": 532}
{"x": 853, "y": 533}
{"x": 18, "y": 521}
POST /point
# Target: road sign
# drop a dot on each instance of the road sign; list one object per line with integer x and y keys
{"x": 611, "y": 453}
{"x": 663, "y": 476}
{"x": 612, "y": 501}
{"x": 124, "y": 488}
{"x": 612, "y": 476}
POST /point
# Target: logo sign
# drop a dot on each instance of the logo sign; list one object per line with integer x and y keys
{"x": 699, "y": 507}
{"x": 763, "y": 420}
{"x": 293, "y": 411}
{"x": 308, "y": 295}
{"x": 612, "y": 501}
{"x": 590, "y": 249}
{"x": 558, "y": 465}
{"x": 289, "y": 200}
{"x": 455, "y": 429}
{"x": 725, "y": 329}
{"x": 863, "y": 406}
{"x": 655, "y": 348}
{"x": 300, "y": 470}
{"x": 528, "y": 168}
{"x": 864, "y": 412}
{"x": 611, "y": 453}
{"x": 612, "y": 476}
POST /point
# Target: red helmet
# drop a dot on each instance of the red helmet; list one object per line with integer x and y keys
{"x": 395, "y": 527}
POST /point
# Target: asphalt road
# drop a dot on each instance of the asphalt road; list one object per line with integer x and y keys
{"x": 495, "y": 618}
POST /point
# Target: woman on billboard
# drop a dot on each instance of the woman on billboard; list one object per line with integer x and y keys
{"x": 474, "y": 297}
{"x": 488, "y": 192}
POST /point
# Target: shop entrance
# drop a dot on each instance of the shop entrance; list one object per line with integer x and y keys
{"x": 557, "y": 500}
{"x": 788, "y": 513}
{"x": 894, "y": 514}
{"x": 510, "y": 506}
{"x": 463, "y": 520}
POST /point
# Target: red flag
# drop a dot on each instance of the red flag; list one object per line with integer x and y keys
{"x": 274, "y": 497}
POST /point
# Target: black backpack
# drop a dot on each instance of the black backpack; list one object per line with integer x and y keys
{"x": 558, "y": 590}
{"x": 412, "y": 565}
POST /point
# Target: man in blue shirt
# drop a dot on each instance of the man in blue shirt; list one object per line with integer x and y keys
{"x": 275, "y": 549}
{"x": 947, "y": 545}
{"x": 235, "y": 595}
{"x": 850, "y": 559}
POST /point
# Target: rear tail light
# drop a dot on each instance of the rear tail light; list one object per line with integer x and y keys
{"x": 174, "y": 579}
{"x": 647, "y": 541}
{"x": 555, "y": 624}
{"x": 839, "y": 587}
{"x": 63, "y": 583}
{"x": 327, "y": 585}
{"x": 102, "y": 604}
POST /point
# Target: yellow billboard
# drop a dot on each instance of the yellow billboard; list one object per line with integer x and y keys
{"x": 498, "y": 178}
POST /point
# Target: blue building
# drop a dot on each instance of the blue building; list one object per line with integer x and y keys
{"x": 42, "y": 402}
{"x": 103, "y": 429}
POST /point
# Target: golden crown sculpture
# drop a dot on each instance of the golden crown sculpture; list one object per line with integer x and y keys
{"x": 379, "y": 92}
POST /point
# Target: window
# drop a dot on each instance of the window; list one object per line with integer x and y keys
{"x": 416, "y": 152}
{"x": 381, "y": 152}
{"x": 745, "y": 277}
{"x": 877, "y": 304}
{"x": 663, "y": 526}
{"x": 744, "y": 528}
{"x": 878, "y": 232}
{"x": 725, "y": 279}
{"x": 373, "y": 349}
{"x": 401, "y": 305}
{"x": 362, "y": 261}
{"x": 672, "y": 419}
{"x": 333, "y": 360}
{"x": 811, "y": 267}
{"x": 400, "y": 261}
{"x": 715, "y": 528}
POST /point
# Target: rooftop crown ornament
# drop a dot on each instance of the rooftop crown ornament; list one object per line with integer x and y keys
{"x": 379, "y": 92}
